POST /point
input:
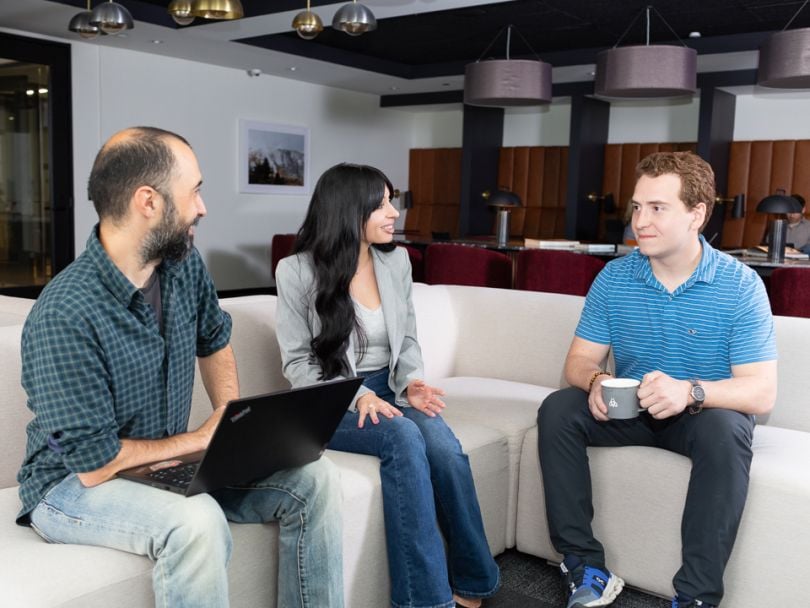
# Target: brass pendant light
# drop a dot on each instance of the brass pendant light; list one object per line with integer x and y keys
{"x": 180, "y": 10}
{"x": 111, "y": 18}
{"x": 307, "y": 24}
{"x": 217, "y": 9}
{"x": 80, "y": 23}
{"x": 354, "y": 19}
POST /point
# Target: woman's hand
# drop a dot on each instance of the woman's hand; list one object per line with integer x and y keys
{"x": 371, "y": 405}
{"x": 425, "y": 398}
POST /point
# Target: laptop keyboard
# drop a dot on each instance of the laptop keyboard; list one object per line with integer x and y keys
{"x": 179, "y": 476}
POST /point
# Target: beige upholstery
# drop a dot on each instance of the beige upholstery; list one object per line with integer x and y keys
{"x": 497, "y": 353}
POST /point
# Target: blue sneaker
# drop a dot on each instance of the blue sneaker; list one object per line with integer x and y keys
{"x": 589, "y": 586}
{"x": 682, "y": 602}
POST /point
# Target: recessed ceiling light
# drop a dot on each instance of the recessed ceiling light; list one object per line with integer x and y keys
{"x": 292, "y": 68}
{"x": 42, "y": 91}
{"x": 29, "y": 92}
{"x": 157, "y": 42}
{"x": 395, "y": 88}
{"x": 694, "y": 34}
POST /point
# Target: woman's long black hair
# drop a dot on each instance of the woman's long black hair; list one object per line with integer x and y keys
{"x": 344, "y": 198}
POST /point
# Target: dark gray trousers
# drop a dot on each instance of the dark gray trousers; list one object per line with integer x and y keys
{"x": 717, "y": 441}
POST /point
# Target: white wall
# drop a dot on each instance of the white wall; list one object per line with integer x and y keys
{"x": 116, "y": 88}
{"x": 654, "y": 121}
{"x": 765, "y": 114}
{"x": 548, "y": 125}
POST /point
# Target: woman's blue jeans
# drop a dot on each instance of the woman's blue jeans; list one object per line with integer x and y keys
{"x": 189, "y": 538}
{"x": 426, "y": 479}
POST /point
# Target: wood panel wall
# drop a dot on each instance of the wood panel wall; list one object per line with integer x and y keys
{"x": 435, "y": 184}
{"x": 539, "y": 176}
{"x": 758, "y": 169}
{"x": 619, "y": 177}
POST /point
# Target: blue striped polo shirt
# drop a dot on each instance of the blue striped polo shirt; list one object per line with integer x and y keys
{"x": 718, "y": 318}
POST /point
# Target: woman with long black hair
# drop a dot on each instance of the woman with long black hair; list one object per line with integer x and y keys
{"x": 344, "y": 309}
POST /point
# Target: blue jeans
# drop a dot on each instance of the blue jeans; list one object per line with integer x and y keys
{"x": 425, "y": 477}
{"x": 189, "y": 539}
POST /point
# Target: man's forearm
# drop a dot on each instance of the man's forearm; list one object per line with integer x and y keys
{"x": 135, "y": 452}
{"x": 219, "y": 376}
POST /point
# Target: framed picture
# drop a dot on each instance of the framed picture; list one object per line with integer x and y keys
{"x": 273, "y": 159}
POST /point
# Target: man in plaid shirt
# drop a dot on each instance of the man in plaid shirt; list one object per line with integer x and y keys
{"x": 108, "y": 365}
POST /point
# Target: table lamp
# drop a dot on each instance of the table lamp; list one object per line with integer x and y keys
{"x": 503, "y": 201}
{"x": 777, "y": 235}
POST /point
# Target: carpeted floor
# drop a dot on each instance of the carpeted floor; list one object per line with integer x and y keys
{"x": 529, "y": 582}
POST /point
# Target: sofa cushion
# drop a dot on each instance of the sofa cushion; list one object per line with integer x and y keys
{"x": 792, "y": 410}
{"x": 637, "y": 515}
{"x": 509, "y": 407}
{"x": 13, "y": 311}
{"x": 15, "y": 413}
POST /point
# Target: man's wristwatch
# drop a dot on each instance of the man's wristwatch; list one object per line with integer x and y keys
{"x": 699, "y": 395}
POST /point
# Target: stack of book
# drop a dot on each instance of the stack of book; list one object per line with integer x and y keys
{"x": 569, "y": 245}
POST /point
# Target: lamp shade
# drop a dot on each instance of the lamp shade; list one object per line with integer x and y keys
{"x": 354, "y": 19}
{"x": 503, "y": 198}
{"x": 80, "y": 23}
{"x": 180, "y": 10}
{"x": 784, "y": 60}
{"x": 646, "y": 71}
{"x": 738, "y": 207}
{"x": 111, "y": 18}
{"x": 779, "y": 203}
{"x": 217, "y": 9}
{"x": 507, "y": 82}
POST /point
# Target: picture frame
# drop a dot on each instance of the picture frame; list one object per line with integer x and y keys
{"x": 273, "y": 158}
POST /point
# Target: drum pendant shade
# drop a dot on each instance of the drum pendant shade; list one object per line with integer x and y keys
{"x": 784, "y": 60}
{"x": 646, "y": 71}
{"x": 507, "y": 82}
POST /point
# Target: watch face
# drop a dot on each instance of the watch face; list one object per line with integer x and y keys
{"x": 698, "y": 394}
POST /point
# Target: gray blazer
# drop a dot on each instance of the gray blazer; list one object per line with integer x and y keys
{"x": 297, "y": 322}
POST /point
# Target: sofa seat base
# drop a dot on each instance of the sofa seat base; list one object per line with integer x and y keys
{"x": 509, "y": 407}
{"x": 637, "y": 515}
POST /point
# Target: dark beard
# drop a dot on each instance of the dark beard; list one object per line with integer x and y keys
{"x": 168, "y": 241}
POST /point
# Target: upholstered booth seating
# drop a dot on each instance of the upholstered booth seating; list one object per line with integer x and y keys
{"x": 417, "y": 262}
{"x": 280, "y": 247}
{"x": 498, "y": 353}
{"x": 789, "y": 291}
{"x": 556, "y": 271}
{"x": 453, "y": 264}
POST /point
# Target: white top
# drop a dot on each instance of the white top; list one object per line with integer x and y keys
{"x": 378, "y": 351}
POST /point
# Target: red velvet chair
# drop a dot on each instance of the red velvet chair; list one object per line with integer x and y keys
{"x": 417, "y": 262}
{"x": 449, "y": 264}
{"x": 790, "y": 292}
{"x": 556, "y": 271}
{"x": 280, "y": 247}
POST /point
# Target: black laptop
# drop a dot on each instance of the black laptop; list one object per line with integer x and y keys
{"x": 256, "y": 437}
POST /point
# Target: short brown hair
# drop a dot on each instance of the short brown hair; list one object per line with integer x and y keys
{"x": 697, "y": 176}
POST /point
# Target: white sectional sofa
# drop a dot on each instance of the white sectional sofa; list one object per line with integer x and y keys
{"x": 498, "y": 353}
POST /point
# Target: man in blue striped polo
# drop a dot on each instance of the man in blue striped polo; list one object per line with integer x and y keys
{"x": 695, "y": 327}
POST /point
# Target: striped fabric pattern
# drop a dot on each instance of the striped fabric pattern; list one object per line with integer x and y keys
{"x": 718, "y": 318}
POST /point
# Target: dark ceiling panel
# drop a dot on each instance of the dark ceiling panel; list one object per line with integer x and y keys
{"x": 563, "y": 32}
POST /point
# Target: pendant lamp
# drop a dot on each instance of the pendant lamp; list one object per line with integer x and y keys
{"x": 217, "y": 9}
{"x": 111, "y": 18}
{"x": 307, "y": 24}
{"x": 784, "y": 59}
{"x": 507, "y": 82}
{"x": 80, "y": 23}
{"x": 646, "y": 71}
{"x": 354, "y": 19}
{"x": 180, "y": 10}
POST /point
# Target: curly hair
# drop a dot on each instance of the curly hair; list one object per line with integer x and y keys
{"x": 697, "y": 176}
